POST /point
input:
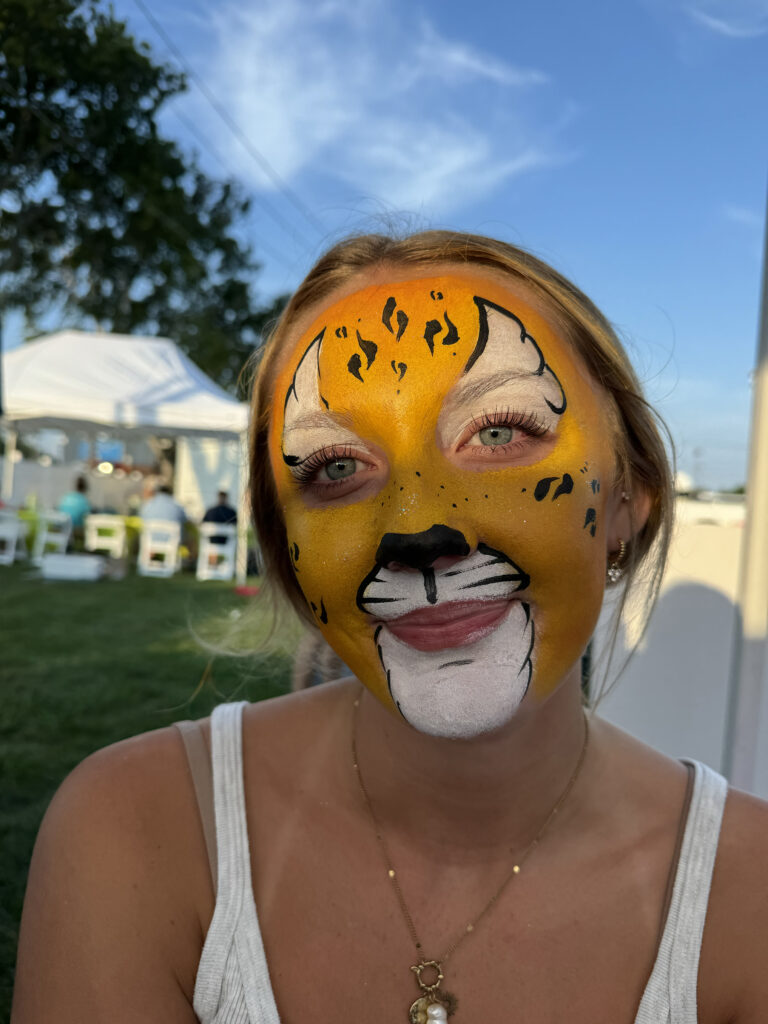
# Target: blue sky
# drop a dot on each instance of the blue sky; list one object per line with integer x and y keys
{"x": 625, "y": 141}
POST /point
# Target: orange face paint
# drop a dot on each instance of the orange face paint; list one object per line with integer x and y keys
{"x": 443, "y": 462}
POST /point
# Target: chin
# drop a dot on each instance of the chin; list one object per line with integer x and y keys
{"x": 462, "y": 692}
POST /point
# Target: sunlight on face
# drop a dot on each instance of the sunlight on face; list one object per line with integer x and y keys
{"x": 443, "y": 461}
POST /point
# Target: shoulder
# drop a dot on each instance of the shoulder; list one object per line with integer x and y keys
{"x": 735, "y": 944}
{"x": 119, "y": 895}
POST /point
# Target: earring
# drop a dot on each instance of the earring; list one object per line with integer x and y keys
{"x": 615, "y": 570}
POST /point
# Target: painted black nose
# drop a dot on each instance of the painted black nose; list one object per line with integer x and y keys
{"x": 420, "y": 550}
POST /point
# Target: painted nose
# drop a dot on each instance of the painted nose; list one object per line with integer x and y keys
{"x": 421, "y": 550}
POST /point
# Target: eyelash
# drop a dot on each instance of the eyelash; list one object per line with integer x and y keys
{"x": 529, "y": 423}
{"x": 307, "y": 470}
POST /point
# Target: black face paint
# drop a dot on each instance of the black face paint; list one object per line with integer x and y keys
{"x": 565, "y": 487}
{"x": 430, "y": 330}
{"x": 354, "y": 364}
{"x": 369, "y": 349}
{"x": 323, "y": 613}
{"x": 595, "y": 485}
{"x": 542, "y": 487}
{"x": 453, "y": 335}
{"x": 590, "y": 520}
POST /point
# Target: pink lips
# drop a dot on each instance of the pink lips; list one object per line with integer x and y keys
{"x": 455, "y": 624}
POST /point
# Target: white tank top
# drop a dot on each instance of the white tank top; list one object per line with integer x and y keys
{"x": 233, "y": 985}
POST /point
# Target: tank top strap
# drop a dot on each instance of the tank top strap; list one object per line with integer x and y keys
{"x": 671, "y": 991}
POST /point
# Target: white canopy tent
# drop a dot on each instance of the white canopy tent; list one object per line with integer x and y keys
{"x": 128, "y": 385}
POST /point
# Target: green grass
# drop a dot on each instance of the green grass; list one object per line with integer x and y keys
{"x": 83, "y": 665}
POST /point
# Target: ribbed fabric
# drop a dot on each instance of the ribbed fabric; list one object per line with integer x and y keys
{"x": 670, "y": 996}
{"x": 233, "y": 985}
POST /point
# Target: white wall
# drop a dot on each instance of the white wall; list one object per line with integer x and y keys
{"x": 203, "y": 467}
{"x": 673, "y": 694}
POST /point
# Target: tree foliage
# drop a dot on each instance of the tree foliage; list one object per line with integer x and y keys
{"x": 101, "y": 217}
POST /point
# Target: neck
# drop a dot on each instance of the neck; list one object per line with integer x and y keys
{"x": 478, "y": 795}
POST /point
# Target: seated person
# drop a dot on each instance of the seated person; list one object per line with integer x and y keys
{"x": 76, "y": 505}
{"x": 162, "y": 505}
{"x": 221, "y": 512}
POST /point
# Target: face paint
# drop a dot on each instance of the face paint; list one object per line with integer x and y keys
{"x": 438, "y": 452}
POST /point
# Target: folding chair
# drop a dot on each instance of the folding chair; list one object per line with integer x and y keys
{"x": 53, "y": 532}
{"x": 159, "y": 548}
{"x": 105, "y": 534}
{"x": 9, "y": 537}
{"x": 216, "y": 554}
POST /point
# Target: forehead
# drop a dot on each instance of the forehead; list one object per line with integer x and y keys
{"x": 414, "y": 337}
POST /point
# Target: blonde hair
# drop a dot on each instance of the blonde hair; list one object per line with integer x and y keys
{"x": 641, "y": 457}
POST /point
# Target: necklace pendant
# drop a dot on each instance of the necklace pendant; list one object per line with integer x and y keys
{"x": 434, "y": 1008}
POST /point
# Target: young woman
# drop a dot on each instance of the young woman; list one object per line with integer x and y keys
{"x": 450, "y": 455}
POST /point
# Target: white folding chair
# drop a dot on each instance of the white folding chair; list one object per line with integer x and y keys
{"x": 105, "y": 534}
{"x": 216, "y": 554}
{"x": 159, "y": 548}
{"x": 53, "y": 531}
{"x": 9, "y": 537}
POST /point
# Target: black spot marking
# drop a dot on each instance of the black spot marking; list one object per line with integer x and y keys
{"x": 523, "y": 491}
{"x": 418, "y": 473}
{"x": 590, "y": 521}
{"x": 429, "y": 585}
{"x": 565, "y": 487}
{"x": 442, "y": 487}
{"x": 369, "y": 348}
{"x": 314, "y": 606}
{"x": 402, "y": 368}
{"x": 323, "y": 613}
{"x": 542, "y": 487}
{"x": 324, "y": 400}
{"x": 595, "y": 485}
{"x": 584, "y": 468}
{"x": 453, "y": 664}
{"x": 466, "y": 499}
{"x": 454, "y": 505}
{"x": 436, "y": 295}
{"x": 341, "y": 332}
{"x": 354, "y": 364}
{"x": 295, "y": 552}
{"x": 386, "y": 314}
{"x": 402, "y": 323}
{"x": 402, "y": 488}
{"x": 453, "y": 335}
{"x": 430, "y": 330}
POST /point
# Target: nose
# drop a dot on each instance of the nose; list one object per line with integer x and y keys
{"x": 421, "y": 550}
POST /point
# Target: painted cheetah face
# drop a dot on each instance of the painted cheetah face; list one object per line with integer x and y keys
{"x": 443, "y": 463}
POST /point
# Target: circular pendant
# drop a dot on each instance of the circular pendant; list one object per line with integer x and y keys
{"x": 419, "y": 1013}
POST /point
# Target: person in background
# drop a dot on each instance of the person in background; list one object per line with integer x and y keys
{"x": 76, "y": 505}
{"x": 162, "y": 505}
{"x": 222, "y": 511}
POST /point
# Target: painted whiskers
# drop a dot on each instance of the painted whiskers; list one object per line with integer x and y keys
{"x": 435, "y": 1003}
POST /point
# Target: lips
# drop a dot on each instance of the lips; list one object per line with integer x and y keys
{"x": 453, "y": 624}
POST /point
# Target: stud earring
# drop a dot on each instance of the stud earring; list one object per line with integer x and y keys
{"x": 615, "y": 570}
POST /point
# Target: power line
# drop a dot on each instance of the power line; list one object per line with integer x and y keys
{"x": 194, "y": 130}
{"x": 222, "y": 112}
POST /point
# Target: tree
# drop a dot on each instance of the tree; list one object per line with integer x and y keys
{"x": 101, "y": 218}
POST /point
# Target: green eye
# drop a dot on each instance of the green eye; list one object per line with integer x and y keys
{"x": 495, "y": 435}
{"x": 340, "y": 468}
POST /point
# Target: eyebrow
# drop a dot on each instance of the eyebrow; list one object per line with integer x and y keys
{"x": 470, "y": 390}
{"x": 313, "y": 420}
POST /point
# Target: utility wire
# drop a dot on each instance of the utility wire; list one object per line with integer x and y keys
{"x": 222, "y": 112}
{"x": 193, "y": 130}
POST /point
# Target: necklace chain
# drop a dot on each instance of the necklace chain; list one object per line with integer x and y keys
{"x": 392, "y": 874}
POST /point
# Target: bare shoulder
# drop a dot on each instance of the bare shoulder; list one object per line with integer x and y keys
{"x": 735, "y": 945}
{"x": 118, "y": 891}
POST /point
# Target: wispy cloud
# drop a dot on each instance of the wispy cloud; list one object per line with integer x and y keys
{"x": 734, "y": 19}
{"x": 742, "y": 215}
{"x": 375, "y": 104}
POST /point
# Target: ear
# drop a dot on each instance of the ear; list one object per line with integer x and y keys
{"x": 625, "y": 515}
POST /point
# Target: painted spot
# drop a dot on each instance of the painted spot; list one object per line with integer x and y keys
{"x": 398, "y": 368}
{"x": 369, "y": 349}
{"x": 565, "y": 487}
{"x": 595, "y": 485}
{"x": 430, "y": 330}
{"x": 453, "y": 335}
{"x": 542, "y": 487}
{"x": 323, "y": 613}
{"x": 341, "y": 332}
{"x": 354, "y": 364}
{"x": 590, "y": 521}
{"x": 436, "y": 295}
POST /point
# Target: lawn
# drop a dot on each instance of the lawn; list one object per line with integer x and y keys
{"x": 86, "y": 664}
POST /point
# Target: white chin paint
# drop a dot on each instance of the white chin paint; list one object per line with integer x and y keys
{"x": 461, "y": 692}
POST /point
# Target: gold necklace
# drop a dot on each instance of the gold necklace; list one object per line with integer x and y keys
{"x": 435, "y": 1004}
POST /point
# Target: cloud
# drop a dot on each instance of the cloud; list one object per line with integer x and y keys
{"x": 741, "y": 215}
{"x": 371, "y": 101}
{"x": 734, "y": 19}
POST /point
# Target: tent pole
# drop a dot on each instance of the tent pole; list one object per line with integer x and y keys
{"x": 8, "y": 463}
{"x": 241, "y": 558}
